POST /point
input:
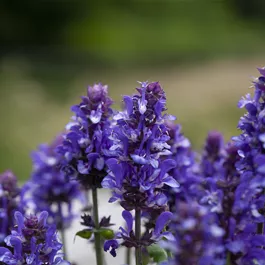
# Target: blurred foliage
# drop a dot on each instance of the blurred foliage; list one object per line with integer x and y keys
{"x": 51, "y": 49}
{"x": 249, "y": 10}
{"x": 130, "y": 32}
{"x": 35, "y": 22}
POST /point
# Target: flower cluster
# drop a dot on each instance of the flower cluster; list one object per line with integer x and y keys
{"x": 198, "y": 239}
{"x": 183, "y": 172}
{"x": 203, "y": 209}
{"x": 9, "y": 202}
{"x": 49, "y": 189}
{"x": 86, "y": 143}
{"x": 251, "y": 147}
{"x": 32, "y": 242}
{"x": 140, "y": 135}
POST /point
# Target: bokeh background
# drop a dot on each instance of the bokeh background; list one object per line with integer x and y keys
{"x": 203, "y": 53}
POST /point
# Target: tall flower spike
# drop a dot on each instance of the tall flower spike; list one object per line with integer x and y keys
{"x": 86, "y": 143}
{"x": 9, "y": 202}
{"x": 251, "y": 148}
{"x": 32, "y": 242}
{"x": 137, "y": 173}
{"x": 184, "y": 157}
{"x": 249, "y": 196}
{"x": 49, "y": 189}
{"x": 140, "y": 168}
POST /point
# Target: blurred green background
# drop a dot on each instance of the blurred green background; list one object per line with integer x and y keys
{"x": 203, "y": 53}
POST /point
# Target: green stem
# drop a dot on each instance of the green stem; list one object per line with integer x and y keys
{"x": 169, "y": 254}
{"x": 64, "y": 243}
{"x": 60, "y": 224}
{"x": 128, "y": 256}
{"x": 228, "y": 259}
{"x": 96, "y": 221}
{"x": 138, "y": 250}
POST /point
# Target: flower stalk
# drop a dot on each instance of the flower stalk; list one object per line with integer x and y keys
{"x": 138, "y": 249}
{"x": 128, "y": 256}
{"x": 99, "y": 254}
{"x": 62, "y": 230}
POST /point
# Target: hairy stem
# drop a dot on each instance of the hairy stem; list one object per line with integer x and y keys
{"x": 138, "y": 250}
{"x": 96, "y": 221}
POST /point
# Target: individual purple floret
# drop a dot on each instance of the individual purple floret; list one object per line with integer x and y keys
{"x": 49, "y": 189}
{"x": 32, "y": 242}
{"x": 9, "y": 202}
{"x": 137, "y": 173}
{"x": 86, "y": 142}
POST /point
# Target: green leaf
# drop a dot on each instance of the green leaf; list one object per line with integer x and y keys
{"x": 157, "y": 253}
{"x": 86, "y": 233}
{"x": 106, "y": 233}
{"x": 146, "y": 259}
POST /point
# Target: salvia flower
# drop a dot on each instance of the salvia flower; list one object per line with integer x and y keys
{"x": 32, "y": 242}
{"x": 137, "y": 173}
{"x": 184, "y": 157}
{"x": 251, "y": 148}
{"x": 198, "y": 239}
{"x": 9, "y": 202}
{"x": 49, "y": 189}
{"x": 86, "y": 143}
{"x": 212, "y": 156}
{"x": 228, "y": 194}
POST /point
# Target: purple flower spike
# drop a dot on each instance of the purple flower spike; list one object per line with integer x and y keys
{"x": 9, "y": 203}
{"x": 249, "y": 199}
{"x": 139, "y": 170}
{"x": 33, "y": 242}
{"x": 86, "y": 143}
{"x": 48, "y": 189}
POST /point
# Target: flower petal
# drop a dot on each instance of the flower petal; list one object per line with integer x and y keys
{"x": 19, "y": 220}
{"x": 127, "y": 216}
{"x": 162, "y": 221}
